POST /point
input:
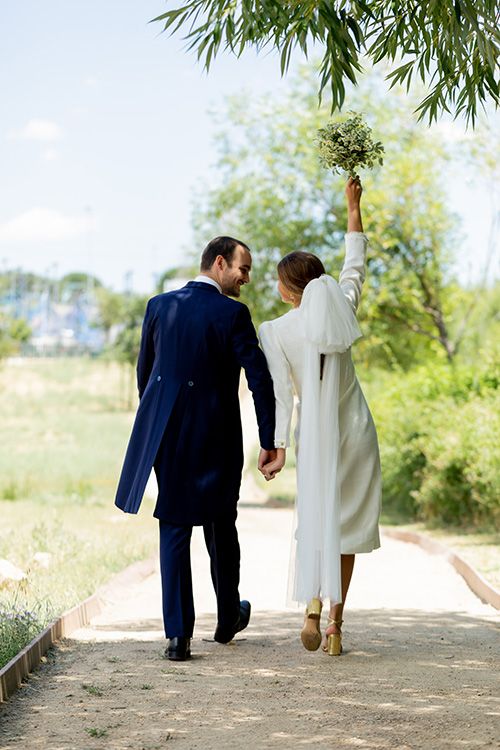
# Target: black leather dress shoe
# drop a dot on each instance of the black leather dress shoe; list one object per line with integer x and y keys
{"x": 178, "y": 649}
{"x": 224, "y": 634}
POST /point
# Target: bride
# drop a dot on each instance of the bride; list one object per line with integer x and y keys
{"x": 338, "y": 466}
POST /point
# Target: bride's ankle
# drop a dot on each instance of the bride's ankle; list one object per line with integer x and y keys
{"x": 334, "y": 624}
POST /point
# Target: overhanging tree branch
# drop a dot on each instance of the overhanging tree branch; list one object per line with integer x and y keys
{"x": 452, "y": 46}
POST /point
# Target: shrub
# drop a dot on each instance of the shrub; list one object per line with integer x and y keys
{"x": 461, "y": 476}
{"x": 439, "y": 428}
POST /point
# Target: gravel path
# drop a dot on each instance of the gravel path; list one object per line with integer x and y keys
{"x": 420, "y": 668}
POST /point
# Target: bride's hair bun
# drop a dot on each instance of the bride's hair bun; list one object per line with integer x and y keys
{"x": 297, "y": 269}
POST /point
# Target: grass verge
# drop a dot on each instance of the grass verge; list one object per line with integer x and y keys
{"x": 66, "y": 551}
{"x": 64, "y": 430}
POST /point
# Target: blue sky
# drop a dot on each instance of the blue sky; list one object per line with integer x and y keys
{"x": 104, "y": 133}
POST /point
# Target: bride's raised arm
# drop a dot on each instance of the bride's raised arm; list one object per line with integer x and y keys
{"x": 352, "y": 275}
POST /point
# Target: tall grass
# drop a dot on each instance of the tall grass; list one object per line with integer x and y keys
{"x": 62, "y": 428}
{"x": 63, "y": 433}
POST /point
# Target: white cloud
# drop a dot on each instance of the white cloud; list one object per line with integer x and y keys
{"x": 42, "y": 225}
{"x": 50, "y": 154}
{"x": 39, "y": 130}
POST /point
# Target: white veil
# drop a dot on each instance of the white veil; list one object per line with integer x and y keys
{"x": 330, "y": 328}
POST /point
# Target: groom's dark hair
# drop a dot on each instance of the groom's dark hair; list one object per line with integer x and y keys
{"x": 224, "y": 246}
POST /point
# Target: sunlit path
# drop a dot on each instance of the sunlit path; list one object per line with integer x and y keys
{"x": 418, "y": 669}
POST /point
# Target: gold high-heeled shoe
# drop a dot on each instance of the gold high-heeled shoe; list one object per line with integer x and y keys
{"x": 311, "y": 634}
{"x": 333, "y": 646}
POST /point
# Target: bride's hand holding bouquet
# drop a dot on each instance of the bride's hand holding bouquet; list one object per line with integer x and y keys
{"x": 346, "y": 146}
{"x": 353, "y": 191}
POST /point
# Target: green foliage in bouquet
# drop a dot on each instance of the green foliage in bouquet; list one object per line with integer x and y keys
{"x": 348, "y": 145}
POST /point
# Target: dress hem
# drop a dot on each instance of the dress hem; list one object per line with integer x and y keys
{"x": 368, "y": 545}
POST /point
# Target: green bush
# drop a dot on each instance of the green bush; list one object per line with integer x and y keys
{"x": 461, "y": 476}
{"x": 439, "y": 429}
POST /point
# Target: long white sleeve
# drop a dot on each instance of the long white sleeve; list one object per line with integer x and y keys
{"x": 352, "y": 275}
{"x": 282, "y": 381}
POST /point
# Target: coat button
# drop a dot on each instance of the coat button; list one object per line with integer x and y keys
{"x": 190, "y": 383}
{"x": 158, "y": 378}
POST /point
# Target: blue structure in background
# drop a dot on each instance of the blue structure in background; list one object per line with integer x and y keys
{"x": 61, "y": 323}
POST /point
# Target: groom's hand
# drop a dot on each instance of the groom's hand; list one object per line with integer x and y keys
{"x": 265, "y": 457}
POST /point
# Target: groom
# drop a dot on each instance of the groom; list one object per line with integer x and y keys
{"x": 194, "y": 342}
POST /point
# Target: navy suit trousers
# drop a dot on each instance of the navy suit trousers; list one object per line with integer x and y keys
{"x": 221, "y": 538}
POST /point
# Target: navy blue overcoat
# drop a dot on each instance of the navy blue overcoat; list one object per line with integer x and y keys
{"x": 188, "y": 426}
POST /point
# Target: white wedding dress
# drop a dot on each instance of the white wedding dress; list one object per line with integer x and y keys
{"x": 338, "y": 465}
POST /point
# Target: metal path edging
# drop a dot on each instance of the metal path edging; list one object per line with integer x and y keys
{"x": 17, "y": 669}
{"x": 477, "y": 584}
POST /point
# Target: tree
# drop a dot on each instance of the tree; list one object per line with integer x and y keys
{"x": 171, "y": 274}
{"x": 15, "y": 283}
{"x": 13, "y": 333}
{"x": 111, "y": 308}
{"x": 273, "y": 194}
{"x": 75, "y": 283}
{"x": 125, "y": 347}
{"x": 451, "y": 45}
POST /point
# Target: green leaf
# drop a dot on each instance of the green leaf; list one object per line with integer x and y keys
{"x": 438, "y": 39}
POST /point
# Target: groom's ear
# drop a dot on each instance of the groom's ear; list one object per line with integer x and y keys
{"x": 220, "y": 262}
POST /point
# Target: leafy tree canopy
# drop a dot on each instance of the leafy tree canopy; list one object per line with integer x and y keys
{"x": 451, "y": 45}
{"x": 272, "y": 192}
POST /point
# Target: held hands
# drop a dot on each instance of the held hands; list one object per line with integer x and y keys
{"x": 271, "y": 462}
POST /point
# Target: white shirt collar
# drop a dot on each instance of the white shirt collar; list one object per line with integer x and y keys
{"x": 208, "y": 280}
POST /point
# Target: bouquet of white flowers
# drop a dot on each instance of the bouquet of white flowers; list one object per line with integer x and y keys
{"x": 348, "y": 145}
